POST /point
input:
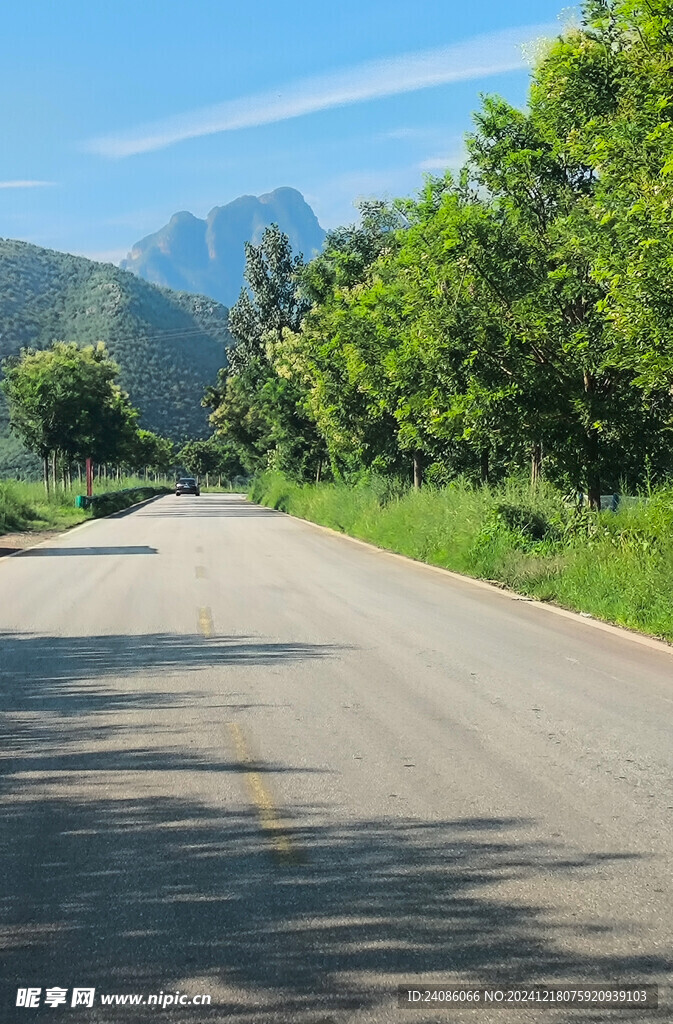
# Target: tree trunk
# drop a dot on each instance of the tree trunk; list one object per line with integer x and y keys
{"x": 594, "y": 488}
{"x": 418, "y": 468}
{"x": 536, "y": 464}
{"x": 45, "y": 466}
{"x": 592, "y": 450}
{"x": 53, "y": 471}
{"x": 484, "y": 467}
{"x": 318, "y": 472}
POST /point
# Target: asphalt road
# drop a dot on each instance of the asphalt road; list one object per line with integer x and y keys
{"x": 245, "y": 758}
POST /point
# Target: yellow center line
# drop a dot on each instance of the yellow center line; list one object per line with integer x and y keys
{"x": 283, "y": 848}
{"x": 200, "y": 572}
{"x": 206, "y": 627}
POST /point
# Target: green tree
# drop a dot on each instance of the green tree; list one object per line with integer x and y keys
{"x": 211, "y": 456}
{"x": 349, "y": 252}
{"x": 271, "y": 300}
{"x": 262, "y": 414}
{"x": 330, "y": 359}
{"x": 518, "y": 315}
{"x": 605, "y": 90}
{"x": 150, "y": 451}
{"x": 64, "y": 402}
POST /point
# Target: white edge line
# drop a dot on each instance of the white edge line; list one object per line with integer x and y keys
{"x": 585, "y": 620}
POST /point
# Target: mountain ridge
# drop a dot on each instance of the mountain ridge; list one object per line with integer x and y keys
{"x": 207, "y": 255}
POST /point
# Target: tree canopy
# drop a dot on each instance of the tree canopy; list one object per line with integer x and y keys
{"x": 516, "y": 315}
{"x": 66, "y": 406}
{"x": 64, "y": 402}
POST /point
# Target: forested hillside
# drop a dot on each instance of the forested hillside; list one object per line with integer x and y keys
{"x": 169, "y": 345}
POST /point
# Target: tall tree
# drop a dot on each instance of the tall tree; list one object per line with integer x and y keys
{"x": 210, "y": 456}
{"x": 606, "y": 94}
{"x": 64, "y": 402}
{"x": 254, "y": 408}
{"x": 523, "y": 314}
{"x": 151, "y": 451}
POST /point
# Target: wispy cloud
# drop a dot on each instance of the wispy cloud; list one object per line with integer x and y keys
{"x": 105, "y": 255}
{"x": 334, "y": 200}
{"x": 473, "y": 58}
{"x": 402, "y": 134}
{"x": 443, "y": 163}
{"x": 431, "y": 135}
{"x": 26, "y": 184}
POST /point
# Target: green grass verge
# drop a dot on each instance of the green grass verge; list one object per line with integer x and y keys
{"x": 25, "y": 506}
{"x": 616, "y": 566}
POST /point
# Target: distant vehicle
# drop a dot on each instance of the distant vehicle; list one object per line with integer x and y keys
{"x": 187, "y": 485}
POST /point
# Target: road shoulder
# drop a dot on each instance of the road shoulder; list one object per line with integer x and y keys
{"x": 654, "y": 643}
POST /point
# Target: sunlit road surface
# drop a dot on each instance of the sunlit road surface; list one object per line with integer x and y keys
{"x": 247, "y": 758}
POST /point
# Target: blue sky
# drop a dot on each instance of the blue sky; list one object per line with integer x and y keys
{"x": 117, "y": 115}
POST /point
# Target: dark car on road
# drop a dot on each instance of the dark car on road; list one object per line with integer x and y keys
{"x": 187, "y": 485}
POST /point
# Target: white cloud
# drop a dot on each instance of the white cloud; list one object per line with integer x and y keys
{"x": 396, "y": 134}
{"x": 443, "y": 163}
{"x": 105, "y": 255}
{"x": 484, "y": 55}
{"x": 26, "y": 184}
{"x": 334, "y": 200}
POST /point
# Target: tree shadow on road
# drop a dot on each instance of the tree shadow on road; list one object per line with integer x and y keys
{"x": 119, "y": 549}
{"x": 144, "y": 869}
{"x": 43, "y": 658}
{"x": 134, "y": 895}
{"x": 207, "y": 507}
{"x": 98, "y": 687}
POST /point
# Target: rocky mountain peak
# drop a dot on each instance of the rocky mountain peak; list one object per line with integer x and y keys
{"x": 208, "y": 256}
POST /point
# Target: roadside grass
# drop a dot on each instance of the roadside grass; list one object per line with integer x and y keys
{"x": 616, "y": 566}
{"x": 25, "y": 506}
{"x": 223, "y": 489}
